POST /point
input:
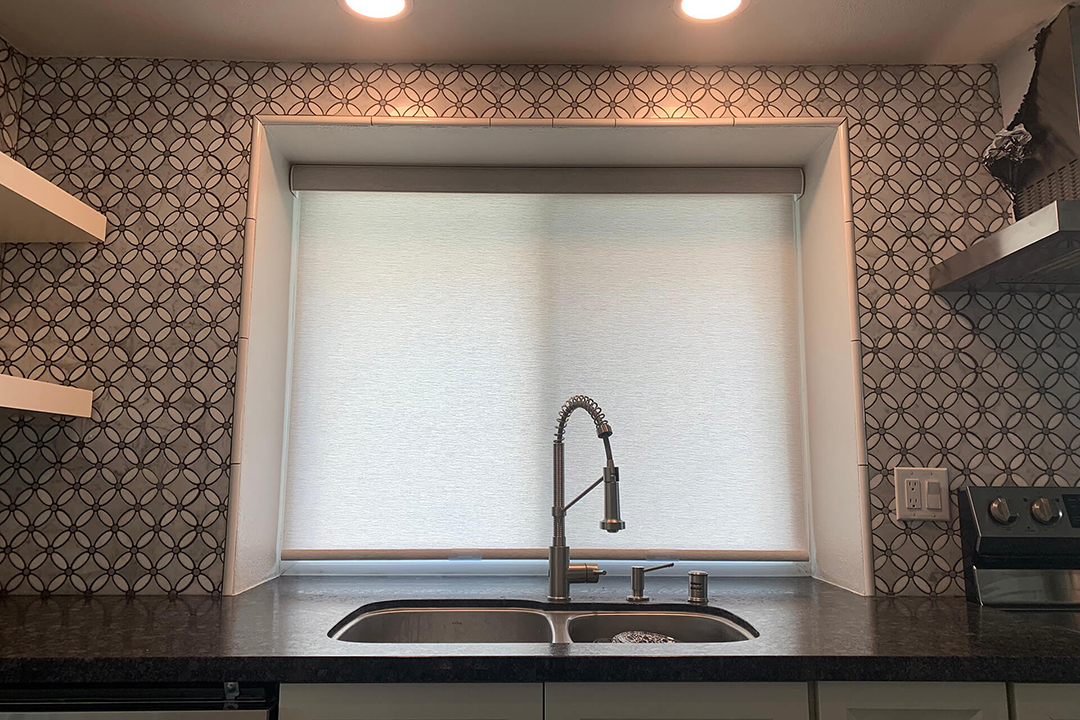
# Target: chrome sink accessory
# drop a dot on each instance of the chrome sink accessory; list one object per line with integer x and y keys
{"x": 561, "y": 572}
{"x": 699, "y": 588}
{"x": 449, "y": 621}
{"x": 637, "y": 581}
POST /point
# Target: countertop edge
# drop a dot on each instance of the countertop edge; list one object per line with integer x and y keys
{"x": 489, "y": 669}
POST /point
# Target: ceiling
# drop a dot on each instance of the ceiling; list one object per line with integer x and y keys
{"x": 526, "y": 31}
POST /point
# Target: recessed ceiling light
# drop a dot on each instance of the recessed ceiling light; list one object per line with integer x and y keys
{"x": 707, "y": 9}
{"x": 378, "y": 9}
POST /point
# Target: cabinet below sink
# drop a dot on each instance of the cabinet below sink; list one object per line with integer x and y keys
{"x": 680, "y": 701}
{"x": 494, "y": 622}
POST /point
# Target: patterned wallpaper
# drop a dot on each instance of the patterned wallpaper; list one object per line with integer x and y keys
{"x": 12, "y": 69}
{"x": 134, "y": 499}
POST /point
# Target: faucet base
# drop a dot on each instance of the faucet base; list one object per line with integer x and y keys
{"x": 558, "y": 575}
{"x": 562, "y": 573}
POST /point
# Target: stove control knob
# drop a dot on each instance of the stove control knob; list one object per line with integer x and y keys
{"x": 1045, "y": 512}
{"x": 1001, "y": 513}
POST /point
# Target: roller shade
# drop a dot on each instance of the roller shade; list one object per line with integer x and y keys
{"x": 437, "y": 335}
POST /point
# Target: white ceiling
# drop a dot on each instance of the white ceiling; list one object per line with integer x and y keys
{"x": 526, "y": 31}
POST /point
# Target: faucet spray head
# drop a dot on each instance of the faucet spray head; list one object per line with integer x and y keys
{"x": 612, "y": 521}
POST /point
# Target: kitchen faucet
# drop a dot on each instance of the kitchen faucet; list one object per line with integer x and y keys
{"x": 561, "y": 572}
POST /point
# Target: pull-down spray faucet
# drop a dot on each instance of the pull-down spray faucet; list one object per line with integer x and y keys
{"x": 560, "y": 571}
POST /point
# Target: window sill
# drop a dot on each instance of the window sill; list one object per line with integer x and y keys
{"x": 519, "y": 568}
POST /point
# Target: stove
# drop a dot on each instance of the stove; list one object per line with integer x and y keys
{"x": 1022, "y": 551}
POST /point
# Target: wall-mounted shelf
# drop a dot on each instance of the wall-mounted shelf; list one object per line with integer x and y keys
{"x": 45, "y": 397}
{"x": 32, "y": 209}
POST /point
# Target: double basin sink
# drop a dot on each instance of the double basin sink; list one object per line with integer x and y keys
{"x": 524, "y": 622}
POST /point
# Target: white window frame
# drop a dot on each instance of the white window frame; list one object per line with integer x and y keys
{"x": 837, "y": 492}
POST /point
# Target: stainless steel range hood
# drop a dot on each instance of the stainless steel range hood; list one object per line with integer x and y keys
{"x": 1041, "y": 251}
{"x": 1038, "y": 252}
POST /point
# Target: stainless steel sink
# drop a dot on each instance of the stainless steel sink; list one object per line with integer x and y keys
{"x": 682, "y": 626}
{"x": 448, "y": 625}
{"x": 534, "y": 623}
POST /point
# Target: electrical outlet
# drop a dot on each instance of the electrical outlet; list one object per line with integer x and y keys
{"x": 922, "y": 493}
{"x": 913, "y": 492}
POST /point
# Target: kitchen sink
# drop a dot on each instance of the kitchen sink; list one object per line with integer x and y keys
{"x": 454, "y": 622}
{"x": 682, "y": 626}
{"x": 449, "y": 625}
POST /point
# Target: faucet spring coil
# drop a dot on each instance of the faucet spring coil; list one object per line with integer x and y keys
{"x": 587, "y": 404}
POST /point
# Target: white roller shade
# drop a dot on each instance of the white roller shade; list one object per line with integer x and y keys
{"x": 437, "y": 335}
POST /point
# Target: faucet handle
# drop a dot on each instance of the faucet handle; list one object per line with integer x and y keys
{"x": 584, "y": 573}
{"x": 637, "y": 581}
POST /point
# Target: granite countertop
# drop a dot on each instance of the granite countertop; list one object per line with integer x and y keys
{"x": 277, "y": 632}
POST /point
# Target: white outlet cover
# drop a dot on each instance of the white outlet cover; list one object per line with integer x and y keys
{"x": 923, "y": 475}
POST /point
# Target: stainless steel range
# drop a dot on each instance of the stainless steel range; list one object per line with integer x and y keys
{"x": 1022, "y": 551}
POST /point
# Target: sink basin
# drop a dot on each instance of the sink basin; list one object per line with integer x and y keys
{"x": 453, "y": 622}
{"x": 449, "y": 625}
{"x": 682, "y": 626}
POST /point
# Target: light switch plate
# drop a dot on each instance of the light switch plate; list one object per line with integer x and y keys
{"x": 913, "y": 502}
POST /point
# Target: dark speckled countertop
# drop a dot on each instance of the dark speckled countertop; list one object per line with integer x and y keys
{"x": 278, "y": 633}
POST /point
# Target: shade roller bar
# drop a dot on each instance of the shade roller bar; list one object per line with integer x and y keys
{"x": 542, "y": 554}
{"x": 548, "y": 180}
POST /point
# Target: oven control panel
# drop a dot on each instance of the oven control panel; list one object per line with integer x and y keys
{"x": 1021, "y": 520}
{"x": 1021, "y": 545}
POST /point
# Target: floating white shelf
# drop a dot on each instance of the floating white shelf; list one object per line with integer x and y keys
{"x": 32, "y": 209}
{"x": 37, "y": 396}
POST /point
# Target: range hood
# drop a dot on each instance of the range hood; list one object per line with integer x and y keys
{"x": 1038, "y": 252}
{"x": 1041, "y": 250}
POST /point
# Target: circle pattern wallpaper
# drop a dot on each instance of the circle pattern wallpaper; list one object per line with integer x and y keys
{"x": 134, "y": 499}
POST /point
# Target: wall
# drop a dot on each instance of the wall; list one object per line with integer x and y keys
{"x": 133, "y": 500}
{"x": 1015, "y": 66}
{"x": 12, "y": 69}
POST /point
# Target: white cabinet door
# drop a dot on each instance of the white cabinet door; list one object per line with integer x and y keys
{"x": 1047, "y": 702}
{"x": 676, "y": 701}
{"x": 912, "y": 701}
{"x": 408, "y": 701}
